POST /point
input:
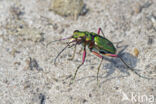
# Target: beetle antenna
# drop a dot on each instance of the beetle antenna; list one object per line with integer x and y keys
{"x": 61, "y": 52}
{"x": 58, "y": 40}
{"x": 67, "y": 46}
{"x": 132, "y": 69}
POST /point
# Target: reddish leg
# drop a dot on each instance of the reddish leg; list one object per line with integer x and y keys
{"x": 83, "y": 60}
{"x": 100, "y": 56}
{"x": 100, "y": 30}
{"x": 111, "y": 55}
{"x": 97, "y": 54}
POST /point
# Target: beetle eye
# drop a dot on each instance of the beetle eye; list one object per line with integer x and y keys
{"x": 76, "y": 31}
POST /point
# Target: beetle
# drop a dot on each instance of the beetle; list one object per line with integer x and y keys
{"x": 97, "y": 44}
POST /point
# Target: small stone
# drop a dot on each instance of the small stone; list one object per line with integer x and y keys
{"x": 92, "y": 67}
{"x": 152, "y": 89}
{"x": 136, "y": 52}
{"x": 90, "y": 95}
{"x": 61, "y": 31}
{"x": 14, "y": 51}
{"x": 84, "y": 101}
{"x": 150, "y": 40}
{"x": 17, "y": 63}
{"x": 32, "y": 64}
{"x": 137, "y": 8}
{"x": 55, "y": 26}
{"x": 42, "y": 98}
{"x": 16, "y": 12}
{"x": 147, "y": 4}
{"x": 116, "y": 88}
{"x": 67, "y": 7}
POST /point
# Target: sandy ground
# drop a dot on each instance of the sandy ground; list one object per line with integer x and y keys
{"x": 27, "y": 72}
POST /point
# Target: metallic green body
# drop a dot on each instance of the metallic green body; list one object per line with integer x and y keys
{"x": 104, "y": 45}
{"x": 101, "y": 44}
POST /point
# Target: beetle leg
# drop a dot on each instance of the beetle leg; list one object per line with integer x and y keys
{"x": 73, "y": 53}
{"x": 133, "y": 70}
{"x": 80, "y": 51}
{"x": 111, "y": 55}
{"x": 100, "y": 56}
{"x": 101, "y": 31}
{"x": 117, "y": 56}
{"x": 78, "y": 42}
{"x": 97, "y": 54}
{"x": 83, "y": 60}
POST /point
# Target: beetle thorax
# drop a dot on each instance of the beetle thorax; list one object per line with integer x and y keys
{"x": 80, "y": 35}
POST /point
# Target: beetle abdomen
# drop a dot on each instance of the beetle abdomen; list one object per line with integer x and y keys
{"x": 104, "y": 45}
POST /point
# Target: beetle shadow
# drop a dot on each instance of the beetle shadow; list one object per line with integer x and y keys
{"x": 115, "y": 63}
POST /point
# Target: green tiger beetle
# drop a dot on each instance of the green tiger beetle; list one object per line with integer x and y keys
{"x": 97, "y": 44}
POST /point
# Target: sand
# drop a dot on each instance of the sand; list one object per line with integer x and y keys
{"x": 29, "y": 76}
